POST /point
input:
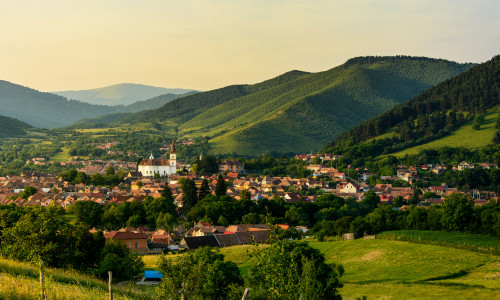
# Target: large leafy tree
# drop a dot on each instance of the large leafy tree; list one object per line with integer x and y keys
{"x": 202, "y": 274}
{"x": 27, "y": 192}
{"x": 41, "y": 234}
{"x": 159, "y": 206}
{"x": 88, "y": 212}
{"x": 292, "y": 270}
{"x": 458, "y": 212}
{"x": 123, "y": 262}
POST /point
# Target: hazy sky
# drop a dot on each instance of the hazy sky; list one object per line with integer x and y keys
{"x": 54, "y": 45}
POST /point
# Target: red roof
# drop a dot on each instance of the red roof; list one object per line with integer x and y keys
{"x": 126, "y": 235}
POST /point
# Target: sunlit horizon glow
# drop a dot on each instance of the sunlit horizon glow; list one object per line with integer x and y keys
{"x": 65, "y": 45}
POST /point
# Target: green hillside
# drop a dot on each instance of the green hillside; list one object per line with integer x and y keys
{"x": 10, "y": 127}
{"x": 465, "y": 136}
{"x": 441, "y": 116}
{"x": 152, "y": 103}
{"x": 299, "y": 111}
{"x": 44, "y": 109}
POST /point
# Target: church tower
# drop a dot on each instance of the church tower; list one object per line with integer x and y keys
{"x": 173, "y": 158}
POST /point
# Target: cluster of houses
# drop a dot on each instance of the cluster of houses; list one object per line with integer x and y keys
{"x": 135, "y": 186}
{"x": 200, "y": 235}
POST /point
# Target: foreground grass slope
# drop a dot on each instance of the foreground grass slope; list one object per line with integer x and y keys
{"x": 378, "y": 269}
{"x": 388, "y": 269}
{"x": 21, "y": 281}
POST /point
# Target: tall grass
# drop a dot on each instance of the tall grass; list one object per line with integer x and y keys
{"x": 21, "y": 281}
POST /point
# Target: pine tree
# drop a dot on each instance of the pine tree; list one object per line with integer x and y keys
{"x": 204, "y": 190}
{"x": 190, "y": 195}
{"x": 220, "y": 187}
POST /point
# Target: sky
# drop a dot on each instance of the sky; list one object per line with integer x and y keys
{"x": 53, "y": 45}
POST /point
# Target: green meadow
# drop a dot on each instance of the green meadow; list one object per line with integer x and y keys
{"x": 432, "y": 267}
{"x": 465, "y": 136}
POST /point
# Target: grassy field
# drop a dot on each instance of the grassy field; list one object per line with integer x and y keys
{"x": 465, "y": 136}
{"x": 20, "y": 281}
{"x": 389, "y": 269}
{"x": 383, "y": 269}
{"x": 62, "y": 156}
{"x": 475, "y": 242}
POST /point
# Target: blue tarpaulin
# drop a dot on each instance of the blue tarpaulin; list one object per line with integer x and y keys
{"x": 153, "y": 275}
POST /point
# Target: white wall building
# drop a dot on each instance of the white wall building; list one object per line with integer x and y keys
{"x": 164, "y": 167}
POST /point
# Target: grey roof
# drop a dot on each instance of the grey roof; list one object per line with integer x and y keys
{"x": 227, "y": 239}
{"x": 193, "y": 242}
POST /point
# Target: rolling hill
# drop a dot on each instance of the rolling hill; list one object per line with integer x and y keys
{"x": 12, "y": 127}
{"x": 48, "y": 110}
{"x": 120, "y": 94}
{"x": 299, "y": 111}
{"x": 44, "y": 110}
{"x": 441, "y": 116}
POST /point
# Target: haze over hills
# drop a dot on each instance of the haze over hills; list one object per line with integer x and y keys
{"x": 48, "y": 110}
{"x": 445, "y": 112}
{"x": 11, "y": 127}
{"x": 299, "y": 111}
{"x": 44, "y": 109}
{"x": 120, "y": 94}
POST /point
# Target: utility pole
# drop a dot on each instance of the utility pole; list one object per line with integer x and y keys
{"x": 42, "y": 281}
{"x": 245, "y": 294}
{"x": 110, "y": 284}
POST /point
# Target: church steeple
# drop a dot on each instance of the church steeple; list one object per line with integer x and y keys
{"x": 151, "y": 156}
{"x": 173, "y": 156}
{"x": 172, "y": 148}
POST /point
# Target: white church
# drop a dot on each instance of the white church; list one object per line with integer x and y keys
{"x": 164, "y": 167}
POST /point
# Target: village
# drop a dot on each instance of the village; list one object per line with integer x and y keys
{"x": 151, "y": 176}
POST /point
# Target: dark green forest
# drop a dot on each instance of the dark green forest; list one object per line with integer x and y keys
{"x": 431, "y": 115}
{"x": 11, "y": 127}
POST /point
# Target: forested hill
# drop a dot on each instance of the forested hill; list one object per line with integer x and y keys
{"x": 44, "y": 110}
{"x": 10, "y": 127}
{"x": 299, "y": 111}
{"x": 434, "y": 113}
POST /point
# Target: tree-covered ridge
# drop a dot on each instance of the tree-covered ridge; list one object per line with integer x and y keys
{"x": 11, "y": 127}
{"x": 437, "y": 111}
{"x": 48, "y": 110}
{"x": 44, "y": 109}
{"x": 298, "y": 111}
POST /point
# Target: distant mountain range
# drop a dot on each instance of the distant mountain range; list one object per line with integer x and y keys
{"x": 120, "y": 94}
{"x": 48, "y": 110}
{"x": 297, "y": 111}
{"x": 11, "y": 127}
